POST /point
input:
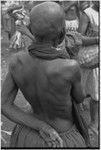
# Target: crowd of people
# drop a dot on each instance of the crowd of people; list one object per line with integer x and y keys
{"x": 56, "y": 70}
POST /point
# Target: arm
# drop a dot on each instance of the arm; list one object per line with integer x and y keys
{"x": 77, "y": 90}
{"x": 11, "y": 111}
{"x": 90, "y": 67}
{"x": 24, "y": 30}
{"x": 83, "y": 23}
{"x": 11, "y": 9}
{"x": 14, "y": 113}
{"x": 87, "y": 41}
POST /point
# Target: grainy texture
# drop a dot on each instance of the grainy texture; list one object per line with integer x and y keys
{"x": 20, "y": 100}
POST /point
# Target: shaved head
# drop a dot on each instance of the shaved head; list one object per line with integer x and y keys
{"x": 47, "y": 20}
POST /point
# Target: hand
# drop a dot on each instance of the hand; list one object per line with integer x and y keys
{"x": 23, "y": 29}
{"x": 51, "y": 137}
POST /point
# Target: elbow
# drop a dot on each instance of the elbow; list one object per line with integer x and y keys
{"x": 80, "y": 98}
{"x": 4, "y": 108}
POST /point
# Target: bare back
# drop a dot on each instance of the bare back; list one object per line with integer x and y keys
{"x": 45, "y": 86}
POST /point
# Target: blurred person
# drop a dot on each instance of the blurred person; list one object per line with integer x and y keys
{"x": 89, "y": 26}
{"x": 5, "y": 20}
{"x": 71, "y": 18}
{"x": 20, "y": 15}
{"x": 10, "y": 6}
{"x": 72, "y": 15}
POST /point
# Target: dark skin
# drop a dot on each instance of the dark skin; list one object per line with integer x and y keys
{"x": 52, "y": 83}
{"x": 71, "y": 14}
{"x": 63, "y": 76}
{"x": 86, "y": 41}
{"x": 96, "y": 5}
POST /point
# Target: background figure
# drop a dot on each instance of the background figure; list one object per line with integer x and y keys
{"x": 89, "y": 25}
{"x": 71, "y": 19}
{"x": 72, "y": 15}
{"x": 72, "y": 23}
{"x": 28, "y": 5}
{"x": 5, "y": 20}
{"x": 20, "y": 14}
{"x": 10, "y": 6}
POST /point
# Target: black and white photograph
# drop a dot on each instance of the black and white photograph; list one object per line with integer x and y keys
{"x": 50, "y": 74}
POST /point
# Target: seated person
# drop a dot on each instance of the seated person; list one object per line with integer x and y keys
{"x": 49, "y": 81}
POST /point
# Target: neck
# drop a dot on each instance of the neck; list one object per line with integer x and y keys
{"x": 50, "y": 43}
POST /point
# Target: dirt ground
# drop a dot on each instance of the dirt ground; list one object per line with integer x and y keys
{"x": 7, "y": 125}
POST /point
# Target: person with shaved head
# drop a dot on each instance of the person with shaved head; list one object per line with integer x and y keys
{"x": 49, "y": 81}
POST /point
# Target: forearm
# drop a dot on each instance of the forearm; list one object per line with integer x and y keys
{"x": 31, "y": 36}
{"x": 90, "y": 67}
{"x": 87, "y": 41}
{"x": 25, "y": 30}
{"x": 18, "y": 116}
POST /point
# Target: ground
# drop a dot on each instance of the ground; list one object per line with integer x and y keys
{"x": 7, "y": 125}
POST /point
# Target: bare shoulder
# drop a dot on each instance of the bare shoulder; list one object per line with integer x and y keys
{"x": 84, "y": 17}
{"x": 71, "y": 69}
{"x": 16, "y": 59}
{"x": 72, "y": 64}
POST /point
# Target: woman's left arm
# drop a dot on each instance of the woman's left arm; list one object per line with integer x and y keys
{"x": 24, "y": 30}
{"x": 87, "y": 41}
